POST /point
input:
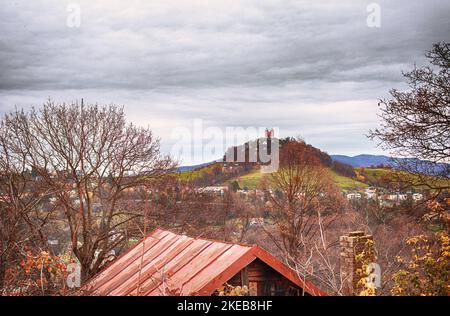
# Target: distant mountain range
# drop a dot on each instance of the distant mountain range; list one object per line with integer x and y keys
{"x": 378, "y": 160}
{"x": 194, "y": 167}
{"x": 365, "y": 160}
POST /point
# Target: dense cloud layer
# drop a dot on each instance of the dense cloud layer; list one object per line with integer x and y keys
{"x": 309, "y": 67}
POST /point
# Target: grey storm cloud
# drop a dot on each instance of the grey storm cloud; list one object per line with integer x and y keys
{"x": 305, "y": 66}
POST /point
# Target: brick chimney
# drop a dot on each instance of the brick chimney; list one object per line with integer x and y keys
{"x": 352, "y": 245}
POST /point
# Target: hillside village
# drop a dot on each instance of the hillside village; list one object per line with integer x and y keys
{"x": 248, "y": 180}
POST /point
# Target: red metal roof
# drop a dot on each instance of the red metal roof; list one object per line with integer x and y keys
{"x": 165, "y": 263}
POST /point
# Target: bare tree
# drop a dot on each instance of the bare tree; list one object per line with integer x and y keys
{"x": 91, "y": 160}
{"x": 416, "y": 123}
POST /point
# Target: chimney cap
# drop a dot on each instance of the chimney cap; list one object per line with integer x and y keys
{"x": 358, "y": 233}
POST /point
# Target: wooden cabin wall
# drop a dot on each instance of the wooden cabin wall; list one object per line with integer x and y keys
{"x": 264, "y": 281}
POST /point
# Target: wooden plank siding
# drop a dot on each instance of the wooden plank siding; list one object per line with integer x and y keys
{"x": 266, "y": 280}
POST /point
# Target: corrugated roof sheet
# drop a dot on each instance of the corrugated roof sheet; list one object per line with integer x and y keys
{"x": 165, "y": 263}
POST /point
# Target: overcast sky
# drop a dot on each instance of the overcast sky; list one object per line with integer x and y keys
{"x": 310, "y": 68}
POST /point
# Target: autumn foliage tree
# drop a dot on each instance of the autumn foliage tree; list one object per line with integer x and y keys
{"x": 304, "y": 202}
{"x": 426, "y": 271}
{"x": 38, "y": 273}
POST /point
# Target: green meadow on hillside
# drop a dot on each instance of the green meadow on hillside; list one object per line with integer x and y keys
{"x": 250, "y": 180}
{"x": 192, "y": 175}
{"x": 346, "y": 183}
{"x": 374, "y": 175}
{"x": 253, "y": 179}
